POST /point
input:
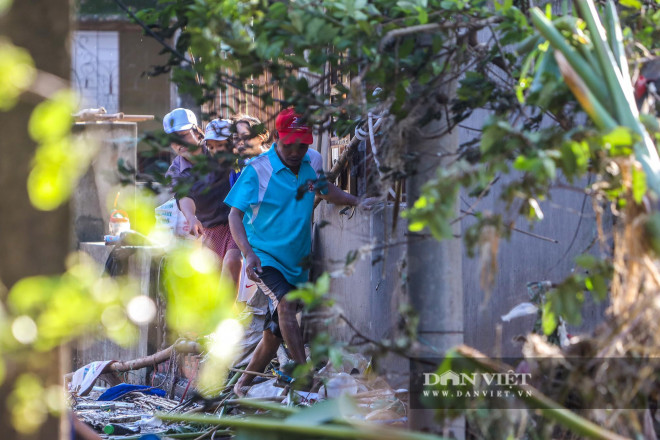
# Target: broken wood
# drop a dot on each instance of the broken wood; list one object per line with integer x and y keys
{"x": 100, "y": 114}
{"x": 148, "y": 361}
{"x": 340, "y": 164}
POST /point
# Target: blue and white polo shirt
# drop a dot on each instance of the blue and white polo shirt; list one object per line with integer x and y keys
{"x": 278, "y": 227}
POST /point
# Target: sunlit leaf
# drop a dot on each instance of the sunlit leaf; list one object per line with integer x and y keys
{"x": 197, "y": 297}
{"x": 549, "y": 320}
{"x": 634, "y": 4}
{"x": 620, "y": 136}
{"x": 141, "y": 212}
{"x": 16, "y": 71}
{"x": 70, "y": 305}
{"x": 4, "y": 6}
{"x": 57, "y": 167}
{"x": 27, "y": 406}
{"x": 638, "y": 184}
{"x": 51, "y": 120}
{"x": 314, "y": 295}
{"x": 222, "y": 346}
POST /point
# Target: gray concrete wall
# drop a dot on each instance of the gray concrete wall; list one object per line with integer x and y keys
{"x": 370, "y": 295}
{"x": 373, "y": 293}
{"x": 93, "y": 198}
{"x": 142, "y": 93}
{"x": 525, "y": 259}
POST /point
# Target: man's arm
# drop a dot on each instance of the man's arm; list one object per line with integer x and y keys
{"x": 338, "y": 197}
{"x": 252, "y": 262}
{"x": 188, "y": 208}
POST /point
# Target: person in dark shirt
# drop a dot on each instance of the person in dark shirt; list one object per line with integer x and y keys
{"x": 202, "y": 204}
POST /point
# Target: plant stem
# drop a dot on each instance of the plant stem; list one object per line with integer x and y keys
{"x": 179, "y": 435}
{"x": 260, "y": 404}
{"x": 591, "y": 105}
{"x": 608, "y": 65}
{"x": 615, "y": 38}
{"x": 363, "y": 431}
{"x": 579, "y": 64}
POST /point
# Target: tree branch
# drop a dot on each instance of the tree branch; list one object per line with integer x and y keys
{"x": 421, "y": 28}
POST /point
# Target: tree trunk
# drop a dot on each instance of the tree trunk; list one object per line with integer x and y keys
{"x": 33, "y": 242}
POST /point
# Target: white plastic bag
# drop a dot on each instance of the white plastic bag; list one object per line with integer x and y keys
{"x": 522, "y": 309}
{"x": 170, "y": 217}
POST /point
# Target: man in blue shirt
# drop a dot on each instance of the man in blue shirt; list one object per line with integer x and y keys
{"x": 270, "y": 221}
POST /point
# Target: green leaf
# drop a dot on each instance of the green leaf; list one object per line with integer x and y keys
{"x": 638, "y": 184}
{"x": 586, "y": 261}
{"x": 423, "y": 15}
{"x": 633, "y": 4}
{"x": 620, "y": 136}
{"x": 323, "y": 283}
{"x": 549, "y": 320}
{"x": 51, "y": 120}
{"x": 324, "y": 412}
{"x": 599, "y": 287}
{"x": 16, "y": 73}
{"x": 4, "y": 5}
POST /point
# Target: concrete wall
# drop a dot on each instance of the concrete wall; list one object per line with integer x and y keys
{"x": 371, "y": 293}
{"x": 93, "y": 198}
{"x": 525, "y": 259}
{"x": 139, "y": 92}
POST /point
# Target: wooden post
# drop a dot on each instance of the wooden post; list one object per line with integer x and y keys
{"x": 34, "y": 242}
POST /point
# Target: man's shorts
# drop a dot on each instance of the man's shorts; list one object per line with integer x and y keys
{"x": 219, "y": 240}
{"x": 274, "y": 286}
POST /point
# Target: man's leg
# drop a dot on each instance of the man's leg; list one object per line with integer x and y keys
{"x": 265, "y": 351}
{"x": 290, "y": 329}
{"x": 231, "y": 266}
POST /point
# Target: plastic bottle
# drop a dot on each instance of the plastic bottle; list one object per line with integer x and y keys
{"x": 117, "y": 429}
{"x": 119, "y": 222}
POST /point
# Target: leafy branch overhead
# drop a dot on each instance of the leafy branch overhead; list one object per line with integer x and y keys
{"x": 555, "y": 87}
{"x": 409, "y": 51}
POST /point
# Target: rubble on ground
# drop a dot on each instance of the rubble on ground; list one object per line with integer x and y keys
{"x": 136, "y": 411}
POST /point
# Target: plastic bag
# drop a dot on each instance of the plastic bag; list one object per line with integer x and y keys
{"x": 522, "y": 309}
{"x": 170, "y": 217}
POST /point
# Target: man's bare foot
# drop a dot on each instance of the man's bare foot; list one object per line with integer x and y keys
{"x": 240, "y": 390}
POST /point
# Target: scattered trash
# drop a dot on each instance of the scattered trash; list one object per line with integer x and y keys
{"x": 265, "y": 389}
{"x": 85, "y": 377}
{"x": 340, "y": 384}
{"x": 117, "y": 391}
{"x": 115, "y": 429}
{"x": 348, "y": 391}
{"x": 522, "y": 309}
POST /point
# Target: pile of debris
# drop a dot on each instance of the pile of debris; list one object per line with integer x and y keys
{"x": 347, "y": 398}
{"x": 131, "y": 414}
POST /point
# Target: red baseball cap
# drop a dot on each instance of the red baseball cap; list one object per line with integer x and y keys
{"x": 292, "y": 129}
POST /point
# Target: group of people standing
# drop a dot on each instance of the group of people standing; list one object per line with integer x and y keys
{"x": 253, "y": 212}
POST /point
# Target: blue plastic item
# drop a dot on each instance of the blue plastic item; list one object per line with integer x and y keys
{"x": 117, "y": 391}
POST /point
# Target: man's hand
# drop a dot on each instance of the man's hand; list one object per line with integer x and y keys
{"x": 367, "y": 204}
{"x": 196, "y": 227}
{"x": 253, "y": 267}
